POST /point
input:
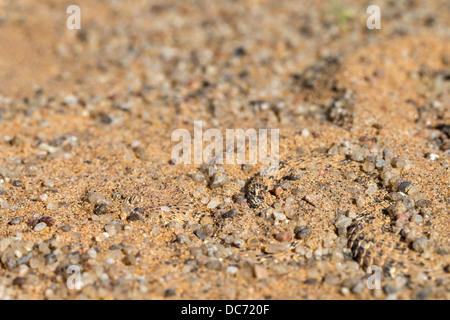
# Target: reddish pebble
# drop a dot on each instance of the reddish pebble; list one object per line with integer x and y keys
{"x": 284, "y": 236}
{"x": 278, "y": 191}
{"x": 404, "y": 216}
{"x": 311, "y": 199}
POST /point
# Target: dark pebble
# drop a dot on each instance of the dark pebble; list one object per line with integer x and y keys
{"x": 239, "y": 197}
{"x": 404, "y": 186}
{"x": 191, "y": 262}
{"x": 24, "y": 259}
{"x": 49, "y": 221}
{"x": 302, "y": 232}
{"x": 50, "y": 258}
{"x": 17, "y": 183}
{"x": 100, "y": 208}
{"x": 230, "y": 213}
{"x": 423, "y": 203}
{"x": 447, "y": 268}
{"x": 134, "y": 216}
{"x": 19, "y": 281}
{"x": 423, "y": 294}
{"x": 169, "y": 293}
{"x": 239, "y": 52}
{"x": 389, "y": 289}
{"x": 16, "y": 220}
{"x": 200, "y": 234}
{"x": 310, "y": 281}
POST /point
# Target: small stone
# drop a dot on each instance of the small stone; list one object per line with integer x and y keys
{"x": 50, "y": 258}
{"x": 284, "y": 236}
{"x": 40, "y": 226}
{"x": 43, "y": 197}
{"x": 101, "y": 208}
{"x": 302, "y": 232}
{"x": 19, "y": 281}
{"x": 277, "y": 248}
{"x": 357, "y": 156}
{"x": 182, "y": 238}
{"x": 230, "y": 213}
{"x": 206, "y": 221}
{"x": 134, "y": 216}
{"x": 343, "y": 222}
{"x": 260, "y": 272}
{"x": 140, "y": 153}
{"x": 214, "y": 265}
{"x": 395, "y": 196}
{"x": 278, "y": 191}
{"x": 218, "y": 181}
{"x": 305, "y": 133}
{"x": 15, "y": 221}
{"x": 213, "y": 203}
{"x": 169, "y": 293}
{"x": 360, "y": 202}
{"x": 52, "y": 206}
{"x": 417, "y": 219}
{"x": 200, "y": 234}
{"x": 198, "y": 177}
{"x": 380, "y": 163}
{"x": 396, "y": 209}
{"x": 388, "y": 154}
{"x": 420, "y": 244}
{"x": 66, "y": 228}
{"x": 423, "y": 203}
{"x": 49, "y": 221}
{"x": 232, "y": 270}
{"x": 17, "y": 183}
{"x": 404, "y": 186}
{"x": 311, "y": 199}
{"x": 95, "y": 198}
{"x": 285, "y": 185}
{"x": 368, "y": 166}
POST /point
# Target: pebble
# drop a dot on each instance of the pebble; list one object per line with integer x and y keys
{"x": 230, "y": 213}
{"x": 198, "y": 177}
{"x": 311, "y": 199}
{"x": 260, "y": 272}
{"x": 214, "y": 264}
{"x": 420, "y": 244}
{"x": 134, "y": 216}
{"x": 101, "y": 208}
{"x": 17, "y": 183}
{"x": 232, "y": 270}
{"x": 277, "y": 248}
{"x": 40, "y": 226}
{"x": 182, "y": 238}
{"x": 305, "y": 133}
{"x": 15, "y": 221}
{"x": 200, "y": 234}
{"x": 368, "y": 167}
{"x": 66, "y": 228}
{"x": 302, "y": 232}
{"x": 218, "y": 181}
{"x": 278, "y": 191}
{"x": 49, "y": 184}
{"x": 284, "y": 236}
{"x": 405, "y": 186}
{"x": 213, "y": 203}
{"x": 169, "y": 293}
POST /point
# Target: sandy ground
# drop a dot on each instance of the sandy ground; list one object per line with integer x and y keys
{"x": 87, "y": 180}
